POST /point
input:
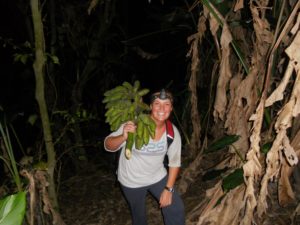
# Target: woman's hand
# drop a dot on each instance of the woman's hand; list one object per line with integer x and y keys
{"x": 113, "y": 142}
{"x": 128, "y": 127}
{"x": 165, "y": 198}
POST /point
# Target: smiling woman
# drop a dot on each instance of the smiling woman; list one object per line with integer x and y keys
{"x": 145, "y": 171}
{"x": 161, "y": 108}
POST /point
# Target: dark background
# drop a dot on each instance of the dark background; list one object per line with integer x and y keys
{"x": 144, "y": 41}
{"x": 156, "y": 28}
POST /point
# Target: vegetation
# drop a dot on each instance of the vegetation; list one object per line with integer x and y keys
{"x": 124, "y": 103}
{"x": 233, "y": 67}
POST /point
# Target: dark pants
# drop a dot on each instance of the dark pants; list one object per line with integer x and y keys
{"x": 136, "y": 198}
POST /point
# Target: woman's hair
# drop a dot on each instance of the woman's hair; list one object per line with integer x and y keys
{"x": 162, "y": 94}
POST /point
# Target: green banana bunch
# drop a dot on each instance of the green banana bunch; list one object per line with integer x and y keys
{"x": 124, "y": 103}
{"x": 145, "y": 130}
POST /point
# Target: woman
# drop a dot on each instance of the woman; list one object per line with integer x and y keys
{"x": 145, "y": 171}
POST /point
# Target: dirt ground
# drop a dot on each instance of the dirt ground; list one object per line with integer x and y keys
{"x": 93, "y": 197}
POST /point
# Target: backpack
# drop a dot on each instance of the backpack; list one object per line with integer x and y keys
{"x": 170, "y": 132}
{"x": 170, "y": 138}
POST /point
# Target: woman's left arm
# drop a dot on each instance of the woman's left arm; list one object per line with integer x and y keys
{"x": 166, "y": 196}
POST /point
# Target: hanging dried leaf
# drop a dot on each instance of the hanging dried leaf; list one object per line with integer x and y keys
{"x": 144, "y": 54}
{"x": 284, "y": 119}
{"x": 262, "y": 27}
{"x": 289, "y": 152}
{"x": 296, "y": 26}
{"x": 283, "y": 122}
{"x": 239, "y": 5}
{"x": 225, "y": 75}
{"x": 285, "y": 191}
{"x": 194, "y": 53}
{"x": 252, "y": 168}
{"x": 190, "y": 173}
{"x": 293, "y": 51}
{"x": 222, "y": 214}
{"x": 273, "y": 166}
{"x": 92, "y": 6}
{"x": 277, "y": 94}
{"x": 296, "y": 90}
{"x": 213, "y": 23}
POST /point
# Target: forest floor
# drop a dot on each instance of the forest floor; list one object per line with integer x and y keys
{"x": 93, "y": 197}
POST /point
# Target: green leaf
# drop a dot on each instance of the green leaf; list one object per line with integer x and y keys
{"x": 32, "y": 119}
{"x": 267, "y": 116}
{"x": 21, "y": 57}
{"x": 266, "y": 147}
{"x": 215, "y": 2}
{"x": 222, "y": 6}
{"x": 233, "y": 180}
{"x": 54, "y": 59}
{"x": 213, "y": 174}
{"x": 220, "y": 199}
{"x": 12, "y": 209}
{"x": 222, "y": 143}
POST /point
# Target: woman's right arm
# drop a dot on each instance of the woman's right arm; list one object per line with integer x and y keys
{"x": 113, "y": 143}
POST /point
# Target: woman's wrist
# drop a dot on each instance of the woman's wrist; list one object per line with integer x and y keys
{"x": 169, "y": 189}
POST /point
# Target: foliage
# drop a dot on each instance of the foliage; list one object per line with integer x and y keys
{"x": 212, "y": 174}
{"x": 11, "y": 162}
{"x": 222, "y": 143}
{"x": 260, "y": 102}
{"x": 12, "y": 209}
{"x": 221, "y": 21}
{"x": 233, "y": 180}
{"x": 124, "y": 103}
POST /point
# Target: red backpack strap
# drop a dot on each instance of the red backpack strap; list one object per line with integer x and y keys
{"x": 170, "y": 132}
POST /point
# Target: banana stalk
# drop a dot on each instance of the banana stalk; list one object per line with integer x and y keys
{"x": 125, "y": 103}
{"x": 129, "y": 145}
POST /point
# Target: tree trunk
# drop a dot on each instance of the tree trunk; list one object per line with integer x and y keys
{"x": 38, "y": 67}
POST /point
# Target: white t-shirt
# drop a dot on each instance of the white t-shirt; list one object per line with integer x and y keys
{"x": 145, "y": 167}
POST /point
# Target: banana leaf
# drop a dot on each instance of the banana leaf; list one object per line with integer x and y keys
{"x": 12, "y": 209}
{"x": 222, "y": 143}
{"x": 266, "y": 147}
{"x": 233, "y": 180}
{"x": 212, "y": 174}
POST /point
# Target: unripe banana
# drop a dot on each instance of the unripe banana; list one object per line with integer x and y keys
{"x": 140, "y": 128}
{"x": 151, "y": 132}
{"x": 116, "y": 124}
{"x": 128, "y": 86}
{"x": 143, "y": 92}
{"x": 146, "y": 135}
{"x": 143, "y": 106}
{"x": 139, "y": 142}
{"x": 114, "y": 118}
{"x": 115, "y": 90}
{"x": 124, "y": 103}
{"x": 136, "y": 86}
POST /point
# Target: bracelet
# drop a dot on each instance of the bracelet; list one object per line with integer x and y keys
{"x": 169, "y": 189}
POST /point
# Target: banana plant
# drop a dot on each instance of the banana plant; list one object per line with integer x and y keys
{"x": 12, "y": 209}
{"x": 125, "y": 103}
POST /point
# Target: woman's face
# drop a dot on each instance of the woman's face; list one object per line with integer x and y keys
{"x": 161, "y": 109}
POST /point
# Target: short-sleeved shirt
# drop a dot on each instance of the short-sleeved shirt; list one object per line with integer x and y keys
{"x": 145, "y": 167}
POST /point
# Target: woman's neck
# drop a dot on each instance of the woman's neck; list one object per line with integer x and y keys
{"x": 159, "y": 130}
